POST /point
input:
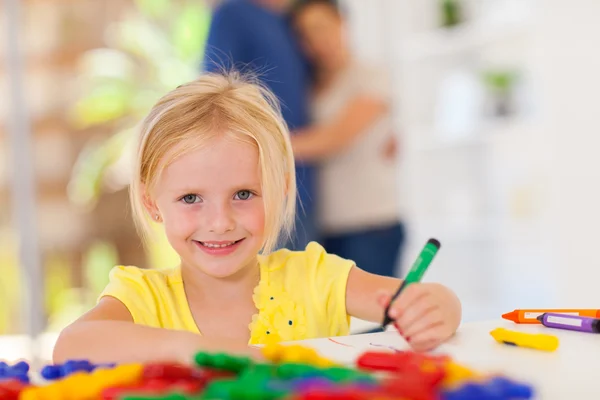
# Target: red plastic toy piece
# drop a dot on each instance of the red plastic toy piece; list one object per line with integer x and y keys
{"x": 336, "y": 394}
{"x": 170, "y": 371}
{"x": 159, "y": 386}
{"x": 149, "y": 387}
{"x": 188, "y": 386}
{"x": 398, "y": 362}
{"x": 409, "y": 386}
{"x": 428, "y": 379}
{"x": 11, "y": 388}
{"x": 207, "y": 375}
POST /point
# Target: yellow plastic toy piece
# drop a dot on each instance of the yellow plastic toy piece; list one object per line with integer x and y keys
{"x": 277, "y": 353}
{"x": 83, "y": 385}
{"x": 538, "y": 341}
{"x": 457, "y": 374}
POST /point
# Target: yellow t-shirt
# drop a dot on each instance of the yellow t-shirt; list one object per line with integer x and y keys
{"x": 301, "y": 295}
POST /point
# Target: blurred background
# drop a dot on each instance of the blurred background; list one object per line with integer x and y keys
{"x": 495, "y": 103}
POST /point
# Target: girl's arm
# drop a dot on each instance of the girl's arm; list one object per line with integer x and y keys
{"x": 107, "y": 334}
{"x": 322, "y": 141}
{"x": 426, "y": 314}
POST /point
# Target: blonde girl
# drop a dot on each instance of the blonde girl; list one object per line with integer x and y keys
{"x": 215, "y": 167}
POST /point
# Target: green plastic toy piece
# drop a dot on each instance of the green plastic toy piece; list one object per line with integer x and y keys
{"x": 222, "y": 361}
{"x": 220, "y": 389}
{"x": 258, "y": 390}
{"x": 294, "y": 370}
{"x": 341, "y": 374}
{"x": 170, "y": 396}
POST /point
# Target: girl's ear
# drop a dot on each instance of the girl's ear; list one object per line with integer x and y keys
{"x": 149, "y": 204}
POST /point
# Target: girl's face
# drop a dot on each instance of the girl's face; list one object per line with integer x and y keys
{"x": 321, "y": 33}
{"x": 211, "y": 206}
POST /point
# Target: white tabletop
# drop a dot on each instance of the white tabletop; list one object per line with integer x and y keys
{"x": 570, "y": 372}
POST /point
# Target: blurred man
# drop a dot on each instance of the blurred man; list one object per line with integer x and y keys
{"x": 254, "y": 35}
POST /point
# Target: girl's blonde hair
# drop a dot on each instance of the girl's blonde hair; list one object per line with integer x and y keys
{"x": 215, "y": 104}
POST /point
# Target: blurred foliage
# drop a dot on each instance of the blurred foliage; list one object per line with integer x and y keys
{"x": 148, "y": 53}
{"x": 66, "y": 302}
{"x": 451, "y": 13}
{"x": 10, "y": 290}
{"x": 500, "y": 81}
{"x": 155, "y": 47}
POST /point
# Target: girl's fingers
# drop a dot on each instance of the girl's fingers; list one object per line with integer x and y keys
{"x": 383, "y": 299}
{"x": 415, "y": 311}
{"x": 408, "y": 296}
{"x": 423, "y": 346}
{"x": 428, "y": 338}
{"x": 425, "y": 316}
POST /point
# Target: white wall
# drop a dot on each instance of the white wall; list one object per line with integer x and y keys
{"x": 545, "y": 172}
{"x": 568, "y": 69}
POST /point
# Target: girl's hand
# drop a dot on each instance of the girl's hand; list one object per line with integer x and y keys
{"x": 426, "y": 314}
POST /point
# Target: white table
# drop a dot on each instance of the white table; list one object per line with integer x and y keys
{"x": 20, "y": 347}
{"x": 571, "y": 372}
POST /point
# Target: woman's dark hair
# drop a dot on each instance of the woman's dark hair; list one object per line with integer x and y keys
{"x": 300, "y": 5}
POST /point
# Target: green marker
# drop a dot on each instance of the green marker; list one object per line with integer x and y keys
{"x": 416, "y": 272}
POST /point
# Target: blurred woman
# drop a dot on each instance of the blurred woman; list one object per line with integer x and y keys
{"x": 351, "y": 137}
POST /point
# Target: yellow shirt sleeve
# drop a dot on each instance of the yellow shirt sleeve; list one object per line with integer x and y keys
{"x": 328, "y": 273}
{"x": 130, "y": 286}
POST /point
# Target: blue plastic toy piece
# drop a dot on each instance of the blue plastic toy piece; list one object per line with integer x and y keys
{"x": 58, "y": 371}
{"x": 498, "y": 388}
{"x": 51, "y": 372}
{"x": 511, "y": 389}
{"x": 18, "y": 371}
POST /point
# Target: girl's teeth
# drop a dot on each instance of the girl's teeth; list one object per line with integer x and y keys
{"x": 211, "y": 245}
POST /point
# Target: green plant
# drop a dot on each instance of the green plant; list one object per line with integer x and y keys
{"x": 500, "y": 81}
{"x": 501, "y": 85}
{"x": 451, "y": 13}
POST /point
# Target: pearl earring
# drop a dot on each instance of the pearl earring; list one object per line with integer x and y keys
{"x": 156, "y": 217}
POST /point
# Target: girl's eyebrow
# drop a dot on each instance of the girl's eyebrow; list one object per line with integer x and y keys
{"x": 234, "y": 188}
{"x": 183, "y": 190}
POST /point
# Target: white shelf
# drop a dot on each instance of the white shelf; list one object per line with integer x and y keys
{"x": 429, "y": 139}
{"x": 444, "y": 144}
{"x": 510, "y": 20}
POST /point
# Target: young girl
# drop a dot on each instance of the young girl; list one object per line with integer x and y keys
{"x": 215, "y": 167}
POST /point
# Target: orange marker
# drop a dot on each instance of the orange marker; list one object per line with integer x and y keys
{"x": 530, "y": 316}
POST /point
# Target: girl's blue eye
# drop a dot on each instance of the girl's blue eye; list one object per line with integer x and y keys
{"x": 243, "y": 195}
{"x": 190, "y": 199}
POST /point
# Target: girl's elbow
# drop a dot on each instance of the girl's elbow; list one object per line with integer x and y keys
{"x": 58, "y": 353}
{"x": 64, "y": 345}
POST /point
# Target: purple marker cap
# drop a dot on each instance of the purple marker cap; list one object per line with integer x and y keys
{"x": 570, "y": 322}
